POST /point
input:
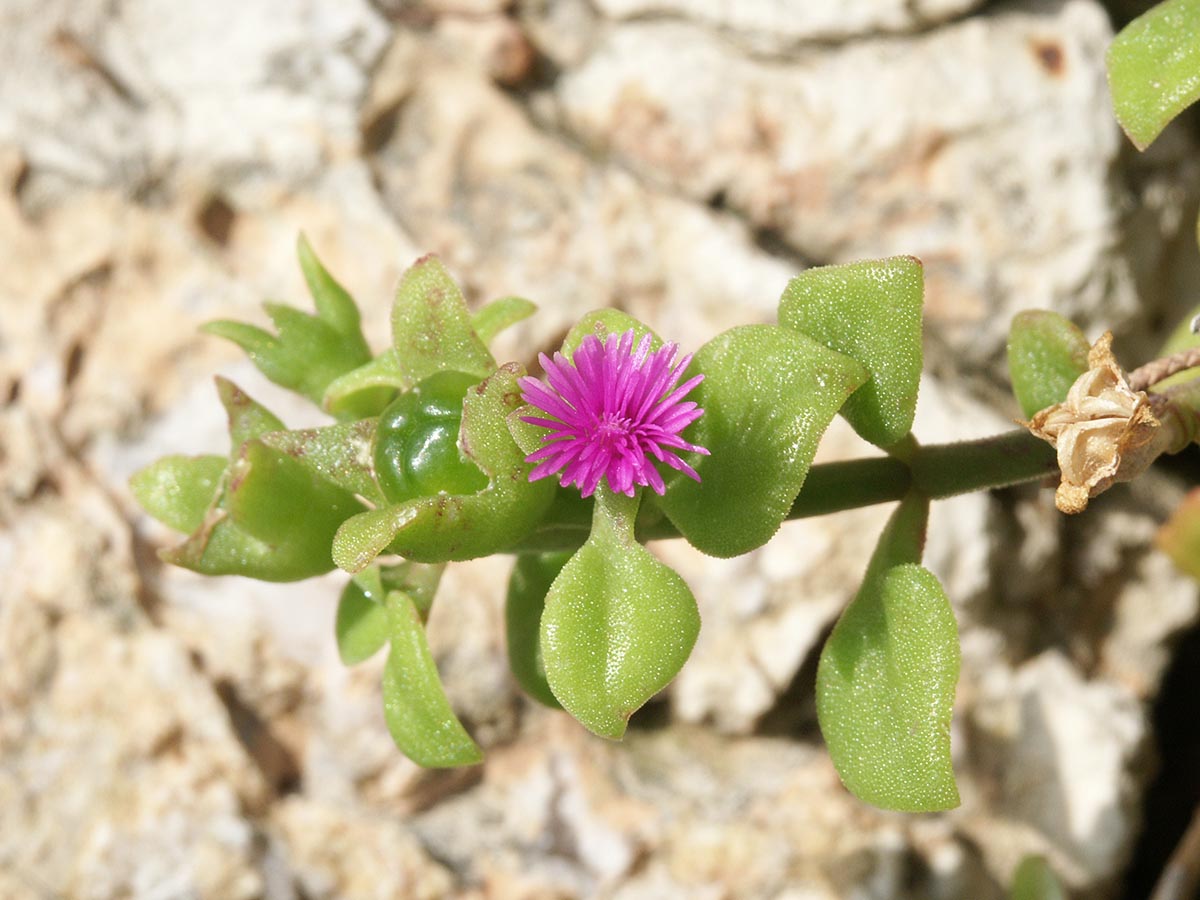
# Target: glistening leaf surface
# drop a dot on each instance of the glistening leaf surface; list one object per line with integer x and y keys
{"x": 1154, "y": 69}
{"x": 178, "y": 490}
{"x": 618, "y": 624}
{"x": 871, "y": 312}
{"x": 454, "y": 527}
{"x": 886, "y": 678}
{"x": 415, "y": 707}
{"x": 1046, "y": 353}
{"x": 431, "y": 326}
{"x": 768, "y": 395}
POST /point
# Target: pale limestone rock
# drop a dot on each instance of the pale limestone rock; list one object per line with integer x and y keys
{"x": 989, "y": 139}
{"x": 774, "y": 26}
{"x": 227, "y": 89}
{"x": 532, "y": 216}
{"x": 339, "y": 852}
{"x": 1068, "y": 758}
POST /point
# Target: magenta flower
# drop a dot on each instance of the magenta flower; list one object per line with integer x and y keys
{"x": 611, "y": 410}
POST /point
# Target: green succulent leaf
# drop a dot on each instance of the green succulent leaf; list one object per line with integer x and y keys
{"x": 361, "y": 625}
{"x": 531, "y": 579}
{"x": 871, "y": 312}
{"x": 768, "y": 395}
{"x": 618, "y": 624}
{"x": 334, "y": 304}
{"x": 1046, "y": 353}
{"x": 178, "y": 490}
{"x": 340, "y": 454}
{"x": 452, "y": 527}
{"x": 886, "y": 678}
{"x": 500, "y": 314}
{"x": 418, "y": 715}
{"x": 248, "y": 419}
{"x": 1154, "y": 69}
{"x": 1035, "y": 880}
{"x": 308, "y": 352}
{"x": 1179, "y": 538}
{"x": 431, "y": 326}
{"x": 271, "y": 518}
{"x": 371, "y": 384}
{"x": 278, "y": 499}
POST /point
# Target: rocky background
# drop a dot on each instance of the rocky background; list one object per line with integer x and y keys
{"x": 168, "y": 736}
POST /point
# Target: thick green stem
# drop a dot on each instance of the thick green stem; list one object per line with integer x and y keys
{"x": 935, "y": 471}
{"x": 944, "y": 470}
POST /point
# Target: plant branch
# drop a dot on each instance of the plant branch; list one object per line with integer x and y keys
{"x": 937, "y": 471}
{"x": 1145, "y": 377}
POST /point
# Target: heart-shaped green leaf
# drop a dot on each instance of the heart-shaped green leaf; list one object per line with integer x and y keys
{"x": 886, "y": 678}
{"x": 451, "y": 527}
{"x": 1046, "y": 353}
{"x": 361, "y": 625}
{"x": 768, "y": 395}
{"x": 871, "y": 312}
{"x": 418, "y": 715}
{"x": 1154, "y": 69}
{"x": 527, "y": 587}
{"x": 618, "y": 624}
{"x": 431, "y": 326}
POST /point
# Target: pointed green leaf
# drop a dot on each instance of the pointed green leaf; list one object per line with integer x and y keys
{"x": 1035, "y": 880}
{"x": 309, "y": 352}
{"x": 333, "y": 302}
{"x": 415, "y": 707}
{"x": 871, "y": 312}
{"x": 1179, "y": 538}
{"x": 531, "y": 579}
{"x": 618, "y": 624}
{"x": 361, "y": 625}
{"x": 341, "y": 454}
{"x": 886, "y": 678}
{"x": 247, "y": 417}
{"x": 1046, "y": 353}
{"x": 768, "y": 395}
{"x": 178, "y": 490}
{"x": 221, "y": 547}
{"x": 453, "y": 527}
{"x": 499, "y": 315}
{"x": 1154, "y": 69}
{"x": 431, "y": 326}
